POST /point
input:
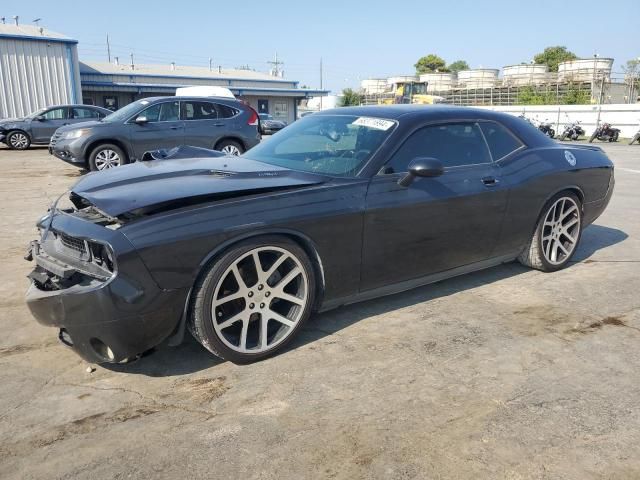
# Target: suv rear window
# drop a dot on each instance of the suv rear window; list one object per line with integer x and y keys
{"x": 225, "y": 111}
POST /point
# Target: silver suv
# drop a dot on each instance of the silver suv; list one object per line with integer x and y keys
{"x": 156, "y": 123}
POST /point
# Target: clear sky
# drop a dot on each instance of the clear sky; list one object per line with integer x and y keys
{"x": 356, "y": 39}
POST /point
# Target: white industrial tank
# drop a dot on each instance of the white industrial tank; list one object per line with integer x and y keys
{"x": 438, "y": 82}
{"x": 585, "y": 69}
{"x": 478, "y": 78}
{"x": 526, "y": 74}
{"x": 373, "y": 86}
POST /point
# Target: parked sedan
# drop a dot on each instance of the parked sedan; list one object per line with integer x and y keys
{"x": 342, "y": 206}
{"x": 37, "y": 128}
{"x": 224, "y": 124}
{"x": 269, "y": 125}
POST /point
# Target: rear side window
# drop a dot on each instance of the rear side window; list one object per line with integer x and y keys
{"x": 454, "y": 144}
{"x": 79, "y": 113}
{"x": 199, "y": 111}
{"x": 501, "y": 141}
{"x": 225, "y": 111}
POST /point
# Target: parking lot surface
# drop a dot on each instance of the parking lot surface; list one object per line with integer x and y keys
{"x": 508, "y": 373}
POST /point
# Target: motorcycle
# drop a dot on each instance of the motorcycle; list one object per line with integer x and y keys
{"x": 605, "y": 133}
{"x": 636, "y": 138}
{"x": 545, "y": 127}
{"x": 572, "y": 131}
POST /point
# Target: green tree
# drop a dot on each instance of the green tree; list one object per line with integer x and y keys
{"x": 529, "y": 96}
{"x": 552, "y": 56}
{"x": 458, "y": 65}
{"x": 350, "y": 97}
{"x": 575, "y": 96}
{"x": 430, "y": 63}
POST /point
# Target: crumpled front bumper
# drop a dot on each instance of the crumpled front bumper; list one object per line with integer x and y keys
{"x": 103, "y": 320}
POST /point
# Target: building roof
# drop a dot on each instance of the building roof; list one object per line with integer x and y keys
{"x": 180, "y": 71}
{"x": 32, "y": 32}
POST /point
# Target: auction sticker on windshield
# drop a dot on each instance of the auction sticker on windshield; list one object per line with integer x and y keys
{"x": 377, "y": 123}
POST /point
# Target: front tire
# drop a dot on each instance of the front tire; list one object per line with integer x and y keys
{"x": 593, "y": 137}
{"x": 251, "y": 301}
{"x": 636, "y": 138}
{"x": 106, "y": 156}
{"x": 551, "y": 133}
{"x": 557, "y": 234}
{"x": 18, "y": 140}
{"x": 230, "y": 147}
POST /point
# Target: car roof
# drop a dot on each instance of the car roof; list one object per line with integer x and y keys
{"x": 416, "y": 114}
{"x": 398, "y": 111}
{"x": 194, "y": 98}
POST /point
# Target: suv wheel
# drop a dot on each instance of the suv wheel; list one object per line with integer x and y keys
{"x": 18, "y": 140}
{"x": 106, "y": 156}
{"x": 230, "y": 147}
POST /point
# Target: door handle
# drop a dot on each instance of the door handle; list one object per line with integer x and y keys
{"x": 218, "y": 124}
{"x": 174, "y": 128}
{"x": 490, "y": 181}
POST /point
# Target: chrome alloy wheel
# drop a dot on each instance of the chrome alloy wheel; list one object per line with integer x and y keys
{"x": 107, "y": 158}
{"x": 230, "y": 150}
{"x": 259, "y": 299}
{"x": 19, "y": 141}
{"x": 561, "y": 230}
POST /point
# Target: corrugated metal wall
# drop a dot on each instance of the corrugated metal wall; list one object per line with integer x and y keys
{"x": 36, "y": 74}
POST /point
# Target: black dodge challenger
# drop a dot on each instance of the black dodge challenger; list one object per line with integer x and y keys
{"x": 341, "y": 206}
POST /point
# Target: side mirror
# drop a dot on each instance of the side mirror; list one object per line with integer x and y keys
{"x": 422, "y": 167}
{"x": 141, "y": 120}
{"x": 40, "y": 118}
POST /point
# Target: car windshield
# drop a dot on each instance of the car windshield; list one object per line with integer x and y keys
{"x": 336, "y": 145}
{"x": 125, "y": 112}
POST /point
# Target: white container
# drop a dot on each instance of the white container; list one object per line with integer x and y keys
{"x": 526, "y": 74}
{"x": 478, "y": 78}
{"x": 585, "y": 70}
{"x": 439, "y": 82}
{"x": 204, "y": 91}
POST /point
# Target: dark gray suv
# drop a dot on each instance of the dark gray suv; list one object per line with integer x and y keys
{"x": 38, "y": 127}
{"x": 223, "y": 124}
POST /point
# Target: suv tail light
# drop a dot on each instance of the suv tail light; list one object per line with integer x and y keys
{"x": 253, "y": 118}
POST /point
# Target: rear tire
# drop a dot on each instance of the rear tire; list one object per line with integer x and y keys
{"x": 18, "y": 140}
{"x": 106, "y": 156}
{"x": 557, "y": 234}
{"x": 230, "y": 147}
{"x": 250, "y": 303}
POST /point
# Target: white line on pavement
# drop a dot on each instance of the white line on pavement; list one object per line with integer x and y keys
{"x": 628, "y": 170}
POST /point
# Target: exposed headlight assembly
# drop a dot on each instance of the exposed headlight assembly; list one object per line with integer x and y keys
{"x": 76, "y": 133}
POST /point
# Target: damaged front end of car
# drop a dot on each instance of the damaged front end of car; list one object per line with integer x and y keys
{"x": 90, "y": 283}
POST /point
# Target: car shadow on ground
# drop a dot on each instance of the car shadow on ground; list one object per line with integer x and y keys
{"x": 190, "y": 357}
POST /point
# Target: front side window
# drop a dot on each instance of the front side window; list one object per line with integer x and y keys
{"x": 337, "y": 145}
{"x": 501, "y": 141}
{"x": 161, "y": 112}
{"x": 55, "y": 114}
{"x": 81, "y": 113}
{"x": 454, "y": 144}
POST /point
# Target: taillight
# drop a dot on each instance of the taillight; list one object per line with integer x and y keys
{"x": 253, "y": 118}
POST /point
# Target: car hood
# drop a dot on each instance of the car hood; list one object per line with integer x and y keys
{"x": 75, "y": 126}
{"x": 273, "y": 123}
{"x": 10, "y": 121}
{"x": 148, "y": 187}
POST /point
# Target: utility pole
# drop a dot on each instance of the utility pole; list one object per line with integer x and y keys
{"x": 108, "y": 49}
{"x": 321, "y": 82}
{"x": 276, "y": 66}
{"x": 132, "y": 65}
{"x": 210, "y": 63}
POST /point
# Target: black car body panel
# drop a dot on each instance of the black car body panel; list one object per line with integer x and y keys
{"x": 225, "y": 119}
{"x": 365, "y": 234}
